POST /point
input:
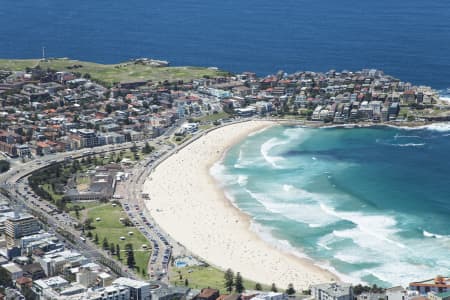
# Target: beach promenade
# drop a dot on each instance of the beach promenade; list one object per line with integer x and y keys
{"x": 188, "y": 204}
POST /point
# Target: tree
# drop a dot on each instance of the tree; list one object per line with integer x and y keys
{"x": 290, "y": 290}
{"x": 130, "y": 256}
{"x": 238, "y": 284}
{"x": 108, "y": 108}
{"x": 274, "y": 288}
{"x": 89, "y": 234}
{"x": 88, "y": 223}
{"x": 229, "y": 280}
{"x": 147, "y": 148}
{"x": 186, "y": 282}
{"x": 112, "y": 248}
{"x": 258, "y": 287}
{"x": 96, "y": 238}
{"x": 118, "y": 251}
{"x": 4, "y": 165}
{"x": 77, "y": 213}
{"x": 28, "y": 293}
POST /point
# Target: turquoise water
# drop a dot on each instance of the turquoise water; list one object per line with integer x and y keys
{"x": 371, "y": 204}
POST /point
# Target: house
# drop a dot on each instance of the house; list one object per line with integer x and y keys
{"x": 395, "y": 293}
{"x": 33, "y": 271}
{"x": 22, "y": 282}
{"x": 370, "y": 296}
{"x": 439, "y": 284}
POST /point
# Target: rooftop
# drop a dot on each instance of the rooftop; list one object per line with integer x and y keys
{"x": 130, "y": 282}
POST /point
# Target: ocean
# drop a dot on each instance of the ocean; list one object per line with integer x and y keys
{"x": 407, "y": 39}
{"x": 370, "y": 204}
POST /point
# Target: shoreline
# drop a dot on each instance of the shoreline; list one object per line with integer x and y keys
{"x": 183, "y": 191}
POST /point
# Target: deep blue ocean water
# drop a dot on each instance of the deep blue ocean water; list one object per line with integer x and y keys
{"x": 408, "y": 39}
{"x": 371, "y": 204}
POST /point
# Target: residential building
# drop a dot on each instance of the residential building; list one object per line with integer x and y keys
{"x": 332, "y": 291}
{"x": 439, "y": 284}
{"x": 139, "y": 290}
{"x": 13, "y": 270}
{"x": 20, "y": 225}
{"x": 88, "y": 138}
{"x": 269, "y": 296}
{"x": 396, "y": 293}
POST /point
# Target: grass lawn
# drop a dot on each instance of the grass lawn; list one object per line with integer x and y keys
{"x": 202, "y": 277}
{"x": 130, "y": 155}
{"x": 122, "y": 72}
{"x": 48, "y": 188}
{"x": 213, "y": 117}
{"x": 205, "y": 127}
{"x": 82, "y": 205}
{"x": 183, "y": 138}
{"x": 110, "y": 227}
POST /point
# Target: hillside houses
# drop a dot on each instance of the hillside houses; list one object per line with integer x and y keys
{"x": 44, "y": 111}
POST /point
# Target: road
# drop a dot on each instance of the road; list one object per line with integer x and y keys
{"x": 164, "y": 247}
{"x": 133, "y": 202}
{"x": 15, "y": 182}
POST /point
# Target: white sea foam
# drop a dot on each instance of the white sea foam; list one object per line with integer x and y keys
{"x": 324, "y": 246}
{"x": 410, "y": 145}
{"x": 238, "y": 164}
{"x": 287, "y": 187}
{"x": 326, "y": 241}
{"x": 295, "y": 134}
{"x": 242, "y": 180}
{"x": 218, "y": 172}
{"x": 231, "y": 198}
{"x": 398, "y": 136}
{"x": 314, "y": 225}
{"x": 432, "y": 235}
{"x": 440, "y": 127}
{"x": 343, "y": 277}
{"x": 367, "y": 228}
{"x": 374, "y": 242}
{"x": 352, "y": 258}
{"x": 267, "y": 146}
{"x": 306, "y": 212}
{"x": 379, "y": 141}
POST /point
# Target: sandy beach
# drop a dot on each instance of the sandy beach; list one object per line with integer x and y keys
{"x": 189, "y": 205}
